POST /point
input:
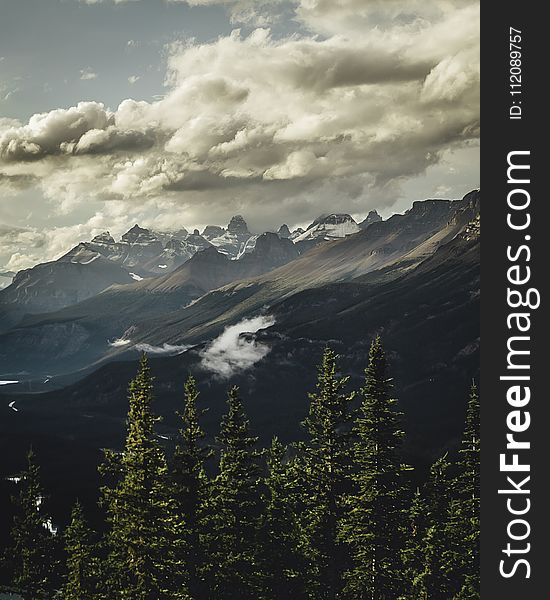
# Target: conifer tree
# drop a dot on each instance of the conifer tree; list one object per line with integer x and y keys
{"x": 374, "y": 528}
{"x": 282, "y": 557}
{"x": 327, "y": 478}
{"x": 432, "y": 581}
{"x": 233, "y": 510}
{"x": 140, "y": 514}
{"x": 82, "y": 575}
{"x": 189, "y": 486}
{"x": 412, "y": 552}
{"x": 34, "y": 546}
{"x": 464, "y": 523}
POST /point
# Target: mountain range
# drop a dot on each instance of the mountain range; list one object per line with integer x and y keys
{"x": 259, "y": 319}
{"x": 91, "y": 267}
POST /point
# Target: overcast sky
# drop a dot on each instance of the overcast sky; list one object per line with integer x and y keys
{"x": 177, "y": 113}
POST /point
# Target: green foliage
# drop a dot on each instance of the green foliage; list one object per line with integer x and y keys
{"x": 281, "y": 549}
{"x": 34, "y": 546}
{"x": 233, "y": 510}
{"x": 330, "y": 518}
{"x": 82, "y": 565}
{"x": 377, "y": 507}
{"x": 432, "y": 580}
{"x": 464, "y": 521}
{"x": 327, "y": 463}
{"x": 140, "y": 512}
{"x": 189, "y": 488}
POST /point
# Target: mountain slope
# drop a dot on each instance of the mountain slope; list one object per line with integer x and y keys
{"x": 100, "y": 326}
{"x": 428, "y": 317}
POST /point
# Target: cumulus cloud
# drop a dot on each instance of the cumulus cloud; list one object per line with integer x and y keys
{"x": 232, "y": 351}
{"x": 274, "y": 127}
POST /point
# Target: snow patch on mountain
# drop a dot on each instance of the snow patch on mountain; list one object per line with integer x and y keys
{"x": 329, "y": 227}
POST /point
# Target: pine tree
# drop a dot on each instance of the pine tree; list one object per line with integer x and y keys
{"x": 432, "y": 581}
{"x": 464, "y": 523}
{"x": 327, "y": 478}
{"x": 82, "y": 575}
{"x": 412, "y": 554}
{"x": 34, "y": 545}
{"x": 281, "y": 543}
{"x": 140, "y": 513}
{"x": 375, "y": 525}
{"x": 233, "y": 510}
{"x": 189, "y": 487}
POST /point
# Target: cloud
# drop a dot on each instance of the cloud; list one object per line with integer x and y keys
{"x": 87, "y": 75}
{"x": 367, "y": 96}
{"x": 166, "y": 349}
{"x": 106, "y": 1}
{"x": 232, "y": 352}
{"x": 133, "y": 79}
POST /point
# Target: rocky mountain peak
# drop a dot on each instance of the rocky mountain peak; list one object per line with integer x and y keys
{"x": 238, "y": 226}
{"x": 332, "y": 219}
{"x": 284, "y": 231}
{"x": 103, "y": 238}
{"x": 212, "y": 231}
{"x": 372, "y": 217}
{"x": 139, "y": 235}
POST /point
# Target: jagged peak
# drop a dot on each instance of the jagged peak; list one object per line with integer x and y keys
{"x": 103, "y": 238}
{"x": 137, "y": 233}
{"x": 283, "y": 231}
{"x": 238, "y": 225}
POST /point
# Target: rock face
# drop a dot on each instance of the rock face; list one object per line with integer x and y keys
{"x": 372, "y": 217}
{"x": 212, "y": 231}
{"x": 235, "y": 241}
{"x": 54, "y": 285}
{"x": 238, "y": 226}
{"x": 284, "y": 231}
{"x": 296, "y": 233}
{"x": 212, "y": 289}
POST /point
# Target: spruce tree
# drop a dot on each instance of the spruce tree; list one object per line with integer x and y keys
{"x": 283, "y": 562}
{"x": 140, "y": 514}
{"x": 432, "y": 580}
{"x": 232, "y": 511}
{"x": 412, "y": 554}
{"x": 82, "y": 574}
{"x": 463, "y": 554}
{"x": 34, "y": 546}
{"x": 375, "y": 525}
{"x": 327, "y": 478}
{"x": 189, "y": 488}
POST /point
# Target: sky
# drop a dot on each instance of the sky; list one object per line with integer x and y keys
{"x": 172, "y": 113}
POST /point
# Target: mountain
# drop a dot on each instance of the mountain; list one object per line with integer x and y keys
{"x": 199, "y": 299}
{"x": 328, "y": 227}
{"x": 176, "y": 252}
{"x": 424, "y": 304}
{"x": 103, "y": 325}
{"x": 404, "y": 239}
{"x": 284, "y": 231}
{"x": 102, "y": 262}
{"x": 372, "y": 217}
{"x": 78, "y": 275}
{"x": 296, "y": 233}
{"x": 235, "y": 241}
